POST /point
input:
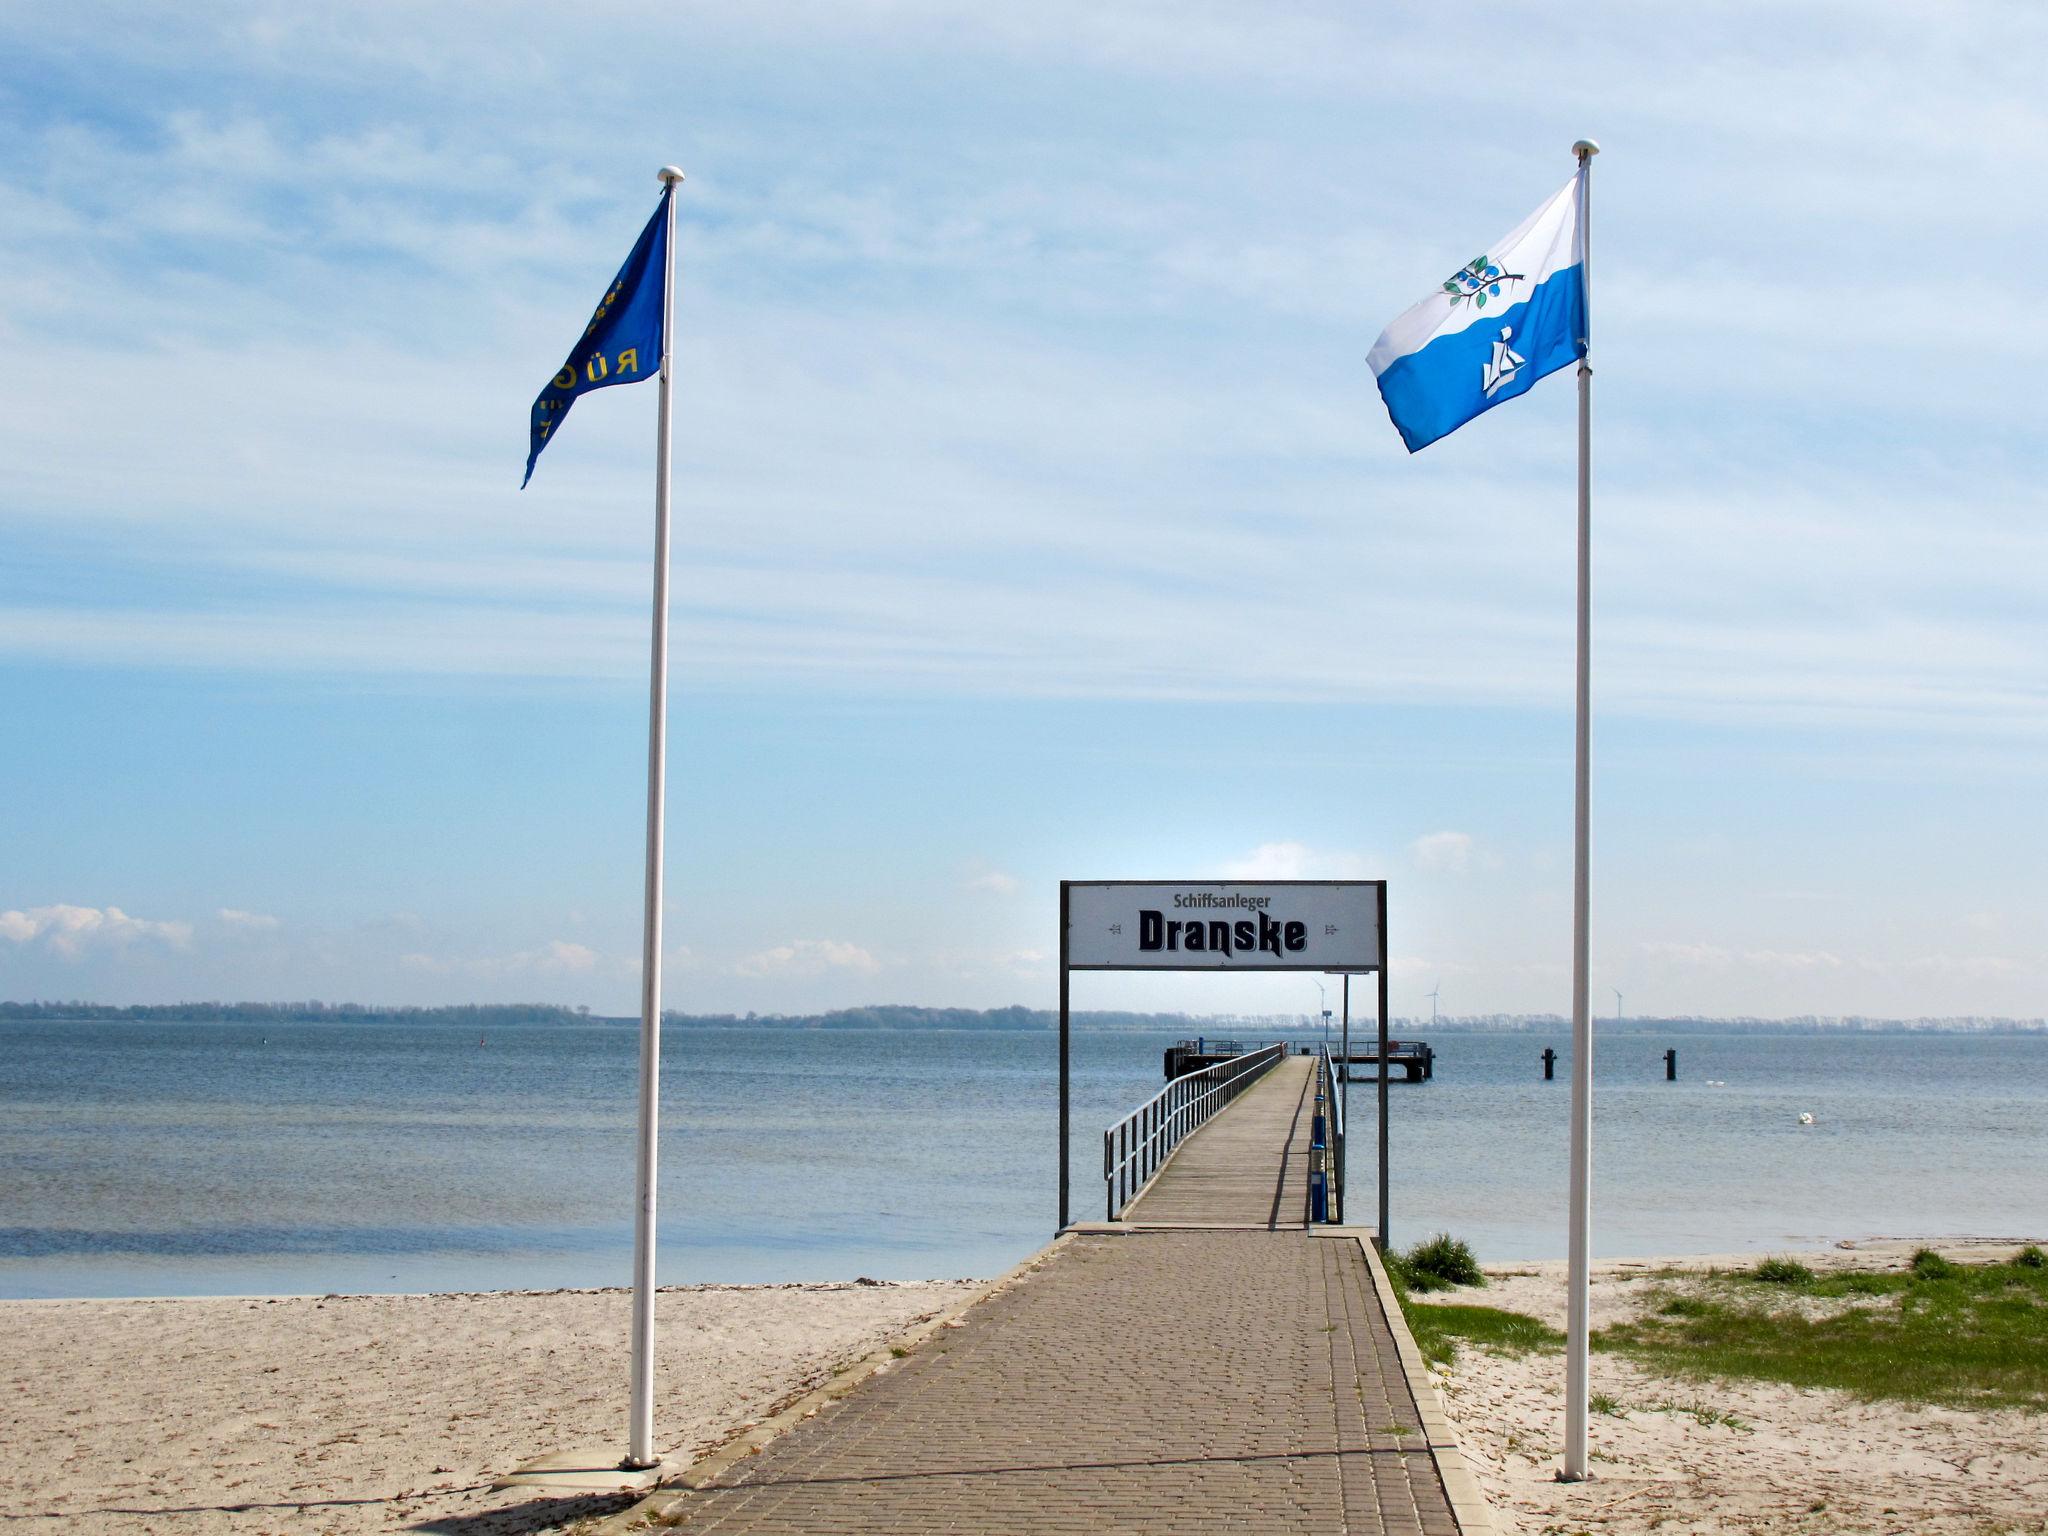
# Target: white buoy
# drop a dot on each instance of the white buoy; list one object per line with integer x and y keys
{"x": 1805, "y": 1118}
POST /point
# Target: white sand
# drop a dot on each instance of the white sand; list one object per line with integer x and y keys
{"x": 1800, "y": 1461}
{"x": 378, "y": 1413}
{"x": 350, "y": 1414}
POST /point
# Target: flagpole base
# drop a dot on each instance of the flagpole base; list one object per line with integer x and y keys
{"x": 589, "y": 1469}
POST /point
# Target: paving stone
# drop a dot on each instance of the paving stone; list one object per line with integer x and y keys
{"x": 1151, "y": 1381}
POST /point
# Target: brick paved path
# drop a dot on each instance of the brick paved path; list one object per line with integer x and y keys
{"x": 1168, "y": 1381}
{"x": 1248, "y": 1167}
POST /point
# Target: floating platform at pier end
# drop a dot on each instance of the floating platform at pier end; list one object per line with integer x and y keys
{"x": 1211, "y": 1361}
{"x": 1413, "y": 1060}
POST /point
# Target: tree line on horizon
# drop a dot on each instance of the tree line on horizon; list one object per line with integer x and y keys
{"x": 903, "y": 1016}
{"x": 311, "y": 1011}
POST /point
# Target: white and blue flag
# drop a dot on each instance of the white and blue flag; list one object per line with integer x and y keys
{"x": 1494, "y": 327}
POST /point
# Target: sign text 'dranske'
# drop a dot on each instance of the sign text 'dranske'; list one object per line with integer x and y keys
{"x": 1202, "y": 925}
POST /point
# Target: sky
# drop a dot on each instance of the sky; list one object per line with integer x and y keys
{"x": 1036, "y": 514}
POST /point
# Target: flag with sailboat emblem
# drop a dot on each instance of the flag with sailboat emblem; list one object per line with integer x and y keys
{"x": 1491, "y": 329}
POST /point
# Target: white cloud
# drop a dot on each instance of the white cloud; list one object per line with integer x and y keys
{"x": 69, "y": 931}
{"x": 994, "y": 882}
{"x": 562, "y": 955}
{"x": 1450, "y": 851}
{"x": 1716, "y": 957}
{"x": 974, "y": 965}
{"x": 1295, "y": 861}
{"x": 1698, "y": 956}
{"x": 809, "y": 957}
{"x": 248, "y": 922}
{"x": 558, "y": 957}
{"x": 368, "y": 555}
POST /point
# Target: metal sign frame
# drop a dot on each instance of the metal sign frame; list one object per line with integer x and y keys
{"x": 1067, "y": 968}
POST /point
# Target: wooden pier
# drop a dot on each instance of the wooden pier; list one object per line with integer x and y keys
{"x": 1212, "y": 1361}
{"x": 1413, "y": 1060}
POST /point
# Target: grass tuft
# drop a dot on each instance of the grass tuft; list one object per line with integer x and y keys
{"x": 1929, "y": 1265}
{"x": 1781, "y": 1272}
{"x": 1440, "y": 1263}
{"x": 1607, "y": 1403}
{"x": 1704, "y": 1414}
{"x": 2031, "y": 1257}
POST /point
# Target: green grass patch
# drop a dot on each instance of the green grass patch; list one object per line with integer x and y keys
{"x": 1438, "y": 1264}
{"x": 1439, "y": 1327}
{"x": 1967, "y": 1335}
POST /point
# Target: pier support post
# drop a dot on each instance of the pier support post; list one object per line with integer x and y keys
{"x": 1344, "y": 1097}
{"x": 1383, "y": 1069}
{"x": 1671, "y": 1065}
{"x": 1064, "y": 1133}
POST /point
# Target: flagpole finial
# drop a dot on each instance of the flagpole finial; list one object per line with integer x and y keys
{"x": 1585, "y": 149}
{"x": 669, "y": 175}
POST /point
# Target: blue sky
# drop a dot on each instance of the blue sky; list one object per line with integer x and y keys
{"x": 1037, "y": 515}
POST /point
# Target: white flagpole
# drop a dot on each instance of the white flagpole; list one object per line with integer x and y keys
{"x": 1575, "y": 1388}
{"x": 640, "y": 1451}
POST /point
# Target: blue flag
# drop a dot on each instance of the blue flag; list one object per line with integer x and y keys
{"x": 1493, "y": 327}
{"x": 622, "y": 343}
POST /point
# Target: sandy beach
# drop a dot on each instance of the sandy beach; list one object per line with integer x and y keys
{"x": 377, "y": 1413}
{"x": 1685, "y": 1456}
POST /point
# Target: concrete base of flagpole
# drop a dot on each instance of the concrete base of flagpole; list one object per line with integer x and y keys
{"x": 590, "y": 1469}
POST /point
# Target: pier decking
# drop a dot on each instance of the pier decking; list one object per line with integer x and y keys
{"x": 1211, "y": 1362}
{"x": 1246, "y": 1168}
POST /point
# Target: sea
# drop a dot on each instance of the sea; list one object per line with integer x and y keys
{"x": 157, "y": 1159}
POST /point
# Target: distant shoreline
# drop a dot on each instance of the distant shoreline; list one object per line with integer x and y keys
{"x": 905, "y": 1017}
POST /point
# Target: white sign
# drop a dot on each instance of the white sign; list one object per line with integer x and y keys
{"x": 1206, "y": 925}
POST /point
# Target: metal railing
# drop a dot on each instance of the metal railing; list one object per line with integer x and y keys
{"x": 1134, "y": 1148}
{"x": 1326, "y": 1145}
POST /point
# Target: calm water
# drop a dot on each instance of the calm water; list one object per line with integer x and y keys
{"x": 190, "y": 1158}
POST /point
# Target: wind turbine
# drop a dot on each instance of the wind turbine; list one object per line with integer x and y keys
{"x": 1617, "y": 1005}
{"x": 1432, "y": 1003}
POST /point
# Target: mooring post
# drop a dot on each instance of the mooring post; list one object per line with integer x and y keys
{"x": 1671, "y": 1065}
{"x": 1549, "y": 1064}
